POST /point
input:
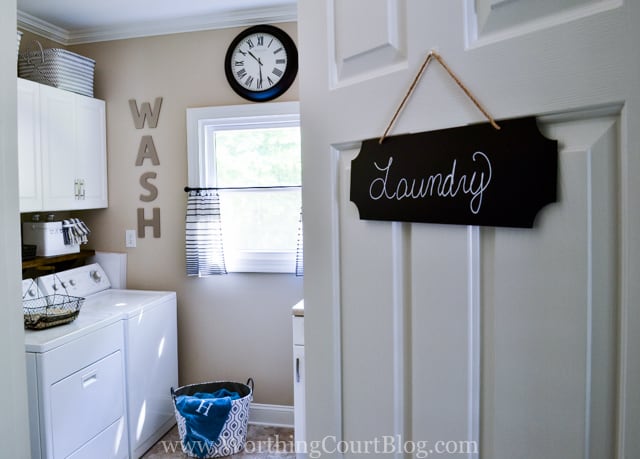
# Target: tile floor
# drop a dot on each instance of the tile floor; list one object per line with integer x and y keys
{"x": 263, "y": 442}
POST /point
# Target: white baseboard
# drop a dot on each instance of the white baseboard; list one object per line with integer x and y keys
{"x": 271, "y": 415}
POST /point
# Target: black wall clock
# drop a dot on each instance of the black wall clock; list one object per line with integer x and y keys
{"x": 261, "y": 63}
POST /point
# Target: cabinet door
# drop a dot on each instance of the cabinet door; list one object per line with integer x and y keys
{"x": 91, "y": 155}
{"x": 298, "y": 395}
{"x": 58, "y": 139}
{"x": 73, "y": 134}
{"x": 29, "y": 157}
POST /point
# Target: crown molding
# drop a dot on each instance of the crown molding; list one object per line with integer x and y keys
{"x": 241, "y": 18}
{"x": 42, "y": 28}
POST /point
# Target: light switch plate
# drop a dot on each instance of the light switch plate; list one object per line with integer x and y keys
{"x": 130, "y": 238}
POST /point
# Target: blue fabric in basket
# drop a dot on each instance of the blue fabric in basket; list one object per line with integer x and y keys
{"x": 205, "y": 415}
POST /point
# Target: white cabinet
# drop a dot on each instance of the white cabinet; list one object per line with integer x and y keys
{"x": 67, "y": 135}
{"x": 298, "y": 377}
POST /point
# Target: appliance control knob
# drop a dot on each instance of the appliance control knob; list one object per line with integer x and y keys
{"x": 95, "y": 275}
{"x": 55, "y": 287}
{"x": 31, "y": 292}
{"x": 72, "y": 282}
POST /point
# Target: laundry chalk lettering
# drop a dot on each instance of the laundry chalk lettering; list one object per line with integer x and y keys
{"x": 443, "y": 186}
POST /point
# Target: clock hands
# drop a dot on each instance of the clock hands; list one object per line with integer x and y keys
{"x": 256, "y": 58}
{"x": 259, "y": 83}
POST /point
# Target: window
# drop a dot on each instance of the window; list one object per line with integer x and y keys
{"x": 251, "y": 155}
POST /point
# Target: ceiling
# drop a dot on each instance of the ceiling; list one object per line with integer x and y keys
{"x": 81, "y": 21}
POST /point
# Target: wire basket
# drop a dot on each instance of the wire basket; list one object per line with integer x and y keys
{"x": 50, "y": 310}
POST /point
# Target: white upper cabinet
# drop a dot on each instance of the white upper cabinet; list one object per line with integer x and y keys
{"x": 70, "y": 140}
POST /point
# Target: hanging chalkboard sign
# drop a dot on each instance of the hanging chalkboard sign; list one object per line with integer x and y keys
{"x": 471, "y": 175}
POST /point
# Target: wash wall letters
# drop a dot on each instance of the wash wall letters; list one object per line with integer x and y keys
{"x": 147, "y": 151}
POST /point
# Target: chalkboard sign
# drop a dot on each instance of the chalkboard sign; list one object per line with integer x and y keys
{"x": 471, "y": 175}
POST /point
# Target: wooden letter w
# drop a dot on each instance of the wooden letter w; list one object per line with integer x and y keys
{"x": 139, "y": 116}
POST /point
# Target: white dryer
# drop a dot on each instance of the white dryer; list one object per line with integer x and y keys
{"x": 148, "y": 323}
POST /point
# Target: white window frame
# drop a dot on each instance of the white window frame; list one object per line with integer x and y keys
{"x": 202, "y": 123}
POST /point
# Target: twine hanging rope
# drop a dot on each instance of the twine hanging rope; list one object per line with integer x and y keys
{"x": 434, "y": 55}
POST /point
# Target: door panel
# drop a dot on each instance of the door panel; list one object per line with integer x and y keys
{"x": 367, "y": 356}
{"x": 442, "y": 305}
{"x": 492, "y": 18}
{"x": 549, "y": 310}
{"x": 380, "y": 41}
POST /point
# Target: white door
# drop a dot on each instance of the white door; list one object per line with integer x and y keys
{"x": 475, "y": 342}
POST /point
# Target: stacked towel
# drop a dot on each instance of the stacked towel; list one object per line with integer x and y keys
{"x": 205, "y": 415}
{"x": 74, "y": 231}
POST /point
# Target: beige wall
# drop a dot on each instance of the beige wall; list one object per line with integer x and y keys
{"x": 230, "y": 327}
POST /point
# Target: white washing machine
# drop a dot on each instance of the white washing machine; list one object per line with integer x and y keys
{"x": 148, "y": 325}
{"x": 76, "y": 387}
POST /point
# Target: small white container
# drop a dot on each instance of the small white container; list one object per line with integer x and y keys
{"x": 48, "y": 238}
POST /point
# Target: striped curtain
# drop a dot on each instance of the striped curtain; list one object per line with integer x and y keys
{"x": 203, "y": 232}
{"x": 299, "y": 251}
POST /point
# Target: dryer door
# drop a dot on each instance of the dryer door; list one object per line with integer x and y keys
{"x": 85, "y": 404}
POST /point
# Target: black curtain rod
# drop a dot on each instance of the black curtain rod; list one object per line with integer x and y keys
{"x": 187, "y": 188}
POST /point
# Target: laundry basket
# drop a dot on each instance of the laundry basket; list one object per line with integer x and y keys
{"x": 57, "y": 67}
{"x": 195, "y": 440}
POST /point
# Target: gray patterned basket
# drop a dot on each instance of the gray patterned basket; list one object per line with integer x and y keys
{"x": 58, "y": 68}
{"x": 233, "y": 436}
{"x": 19, "y": 38}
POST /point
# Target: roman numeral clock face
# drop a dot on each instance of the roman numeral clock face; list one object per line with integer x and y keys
{"x": 261, "y": 63}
